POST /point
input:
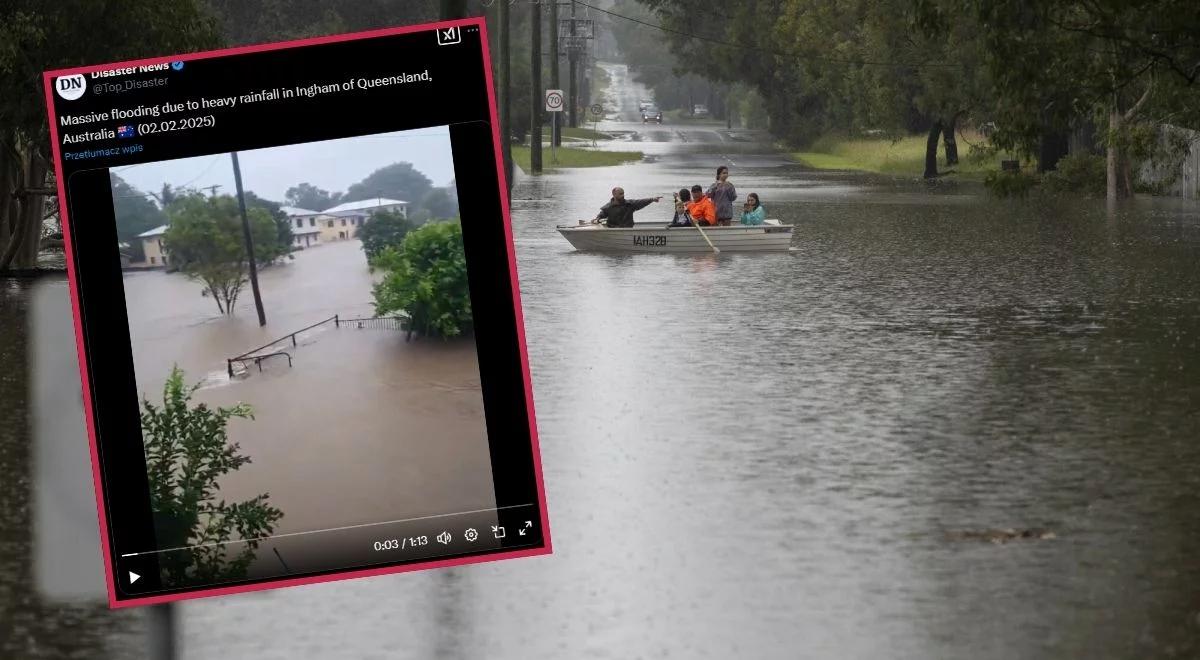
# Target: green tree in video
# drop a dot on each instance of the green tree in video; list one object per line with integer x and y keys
{"x": 427, "y": 279}
{"x": 383, "y": 230}
{"x": 187, "y": 451}
{"x": 396, "y": 181}
{"x": 206, "y": 242}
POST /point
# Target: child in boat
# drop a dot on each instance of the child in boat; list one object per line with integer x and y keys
{"x": 681, "y": 218}
{"x": 753, "y": 212}
{"x": 701, "y": 209}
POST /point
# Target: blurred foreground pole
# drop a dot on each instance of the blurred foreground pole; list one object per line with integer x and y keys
{"x": 160, "y": 626}
{"x": 237, "y": 179}
{"x": 555, "y": 133}
{"x": 535, "y": 95}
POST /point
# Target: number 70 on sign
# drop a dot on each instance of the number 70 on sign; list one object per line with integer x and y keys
{"x": 554, "y": 100}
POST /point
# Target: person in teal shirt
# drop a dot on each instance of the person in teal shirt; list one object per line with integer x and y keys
{"x": 753, "y": 213}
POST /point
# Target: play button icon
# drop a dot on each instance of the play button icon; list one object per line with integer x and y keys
{"x": 133, "y": 577}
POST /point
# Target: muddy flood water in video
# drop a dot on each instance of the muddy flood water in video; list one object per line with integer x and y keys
{"x": 358, "y": 427}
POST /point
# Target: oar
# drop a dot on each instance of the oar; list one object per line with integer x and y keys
{"x": 710, "y": 244}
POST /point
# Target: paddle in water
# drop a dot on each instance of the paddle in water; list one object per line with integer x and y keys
{"x": 710, "y": 243}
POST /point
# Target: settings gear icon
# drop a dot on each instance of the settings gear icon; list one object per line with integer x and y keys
{"x": 471, "y": 534}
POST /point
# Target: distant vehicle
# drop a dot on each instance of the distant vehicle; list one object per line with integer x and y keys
{"x": 700, "y": 110}
{"x": 651, "y": 113}
{"x": 643, "y": 104}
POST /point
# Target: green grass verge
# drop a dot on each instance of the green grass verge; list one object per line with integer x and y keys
{"x": 569, "y": 157}
{"x": 904, "y": 157}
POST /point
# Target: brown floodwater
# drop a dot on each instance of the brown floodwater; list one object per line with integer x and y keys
{"x": 776, "y": 456}
{"x": 362, "y": 427}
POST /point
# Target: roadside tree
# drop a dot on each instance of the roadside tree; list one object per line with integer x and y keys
{"x": 427, "y": 280}
{"x": 383, "y": 230}
{"x": 205, "y": 241}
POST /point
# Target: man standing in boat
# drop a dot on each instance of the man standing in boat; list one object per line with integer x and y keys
{"x": 619, "y": 211}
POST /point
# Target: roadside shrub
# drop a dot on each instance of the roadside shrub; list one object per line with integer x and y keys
{"x": 187, "y": 451}
{"x": 382, "y": 230}
{"x": 427, "y": 280}
{"x": 1010, "y": 184}
{"x": 1078, "y": 173}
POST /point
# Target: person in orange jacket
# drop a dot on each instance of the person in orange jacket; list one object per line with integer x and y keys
{"x": 702, "y": 209}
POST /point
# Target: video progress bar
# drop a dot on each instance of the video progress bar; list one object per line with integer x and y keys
{"x": 322, "y": 531}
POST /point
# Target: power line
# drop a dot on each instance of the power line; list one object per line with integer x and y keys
{"x": 820, "y": 58}
{"x": 203, "y": 172}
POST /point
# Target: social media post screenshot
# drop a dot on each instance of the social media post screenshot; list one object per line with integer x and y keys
{"x": 296, "y": 309}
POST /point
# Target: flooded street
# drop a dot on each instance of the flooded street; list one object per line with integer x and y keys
{"x": 772, "y": 455}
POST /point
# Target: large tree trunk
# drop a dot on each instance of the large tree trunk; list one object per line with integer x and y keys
{"x": 33, "y": 210}
{"x": 950, "y": 144}
{"x": 935, "y": 132}
{"x": 1120, "y": 184}
{"x": 1112, "y": 155}
{"x": 8, "y": 204}
{"x": 21, "y": 212}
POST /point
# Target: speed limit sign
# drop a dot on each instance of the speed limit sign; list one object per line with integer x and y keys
{"x": 597, "y": 109}
{"x": 554, "y": 100}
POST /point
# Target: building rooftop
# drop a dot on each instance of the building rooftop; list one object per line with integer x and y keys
{"x": 157, "y": 231}
{"x": 293, "y": 211}
{"x": 364, "y": 205}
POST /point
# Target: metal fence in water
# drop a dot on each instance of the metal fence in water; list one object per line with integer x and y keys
{"x": 386, "y": 322}
{"x": 253, "y": 355}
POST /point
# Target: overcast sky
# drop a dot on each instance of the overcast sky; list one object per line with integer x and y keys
{"x": 334, "y": 165}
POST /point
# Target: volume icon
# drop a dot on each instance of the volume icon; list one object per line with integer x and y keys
{"x": 444, "y": 538}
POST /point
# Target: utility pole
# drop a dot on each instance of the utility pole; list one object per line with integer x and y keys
{"x": 505, "y": 82}
{"x": 535, "y": 96}
{"x": 237, "y": 180}
{"x": 555, "y": 138}
{"x": 212, "y": 190}
{"x": 572, "y": 55}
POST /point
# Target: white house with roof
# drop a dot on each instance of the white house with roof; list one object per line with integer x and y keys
{"x": 340, "y": 222}
{"x": 306, "y": 226}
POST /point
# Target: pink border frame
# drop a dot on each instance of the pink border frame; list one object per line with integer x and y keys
{"x": 48, "y": 77}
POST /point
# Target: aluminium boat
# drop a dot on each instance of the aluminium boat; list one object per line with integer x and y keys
{"x": 771, "y": 236}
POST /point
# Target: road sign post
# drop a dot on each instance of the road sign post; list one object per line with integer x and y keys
{"x": 597, "y": 113}
{"x": 554, "y": 105}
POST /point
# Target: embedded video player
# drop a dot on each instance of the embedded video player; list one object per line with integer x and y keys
{"x": 297, "y": 312}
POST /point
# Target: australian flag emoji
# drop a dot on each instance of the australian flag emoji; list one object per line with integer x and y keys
{"x": 126, "y": 131}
